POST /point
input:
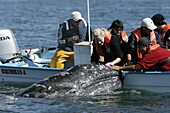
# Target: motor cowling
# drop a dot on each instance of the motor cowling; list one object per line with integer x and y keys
{"x": 8, "y": 45}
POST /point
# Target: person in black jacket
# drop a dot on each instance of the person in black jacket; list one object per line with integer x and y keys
{"x": 117, "y": 30}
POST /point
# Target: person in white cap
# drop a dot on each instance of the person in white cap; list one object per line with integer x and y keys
{"x": 146, "y": 30}
{"x": 71, "y": 31}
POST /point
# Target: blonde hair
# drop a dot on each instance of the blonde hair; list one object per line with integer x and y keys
{"x": 100, "y": 32}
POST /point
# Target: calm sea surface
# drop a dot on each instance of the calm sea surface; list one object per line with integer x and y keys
{"x": 35, "y": 24}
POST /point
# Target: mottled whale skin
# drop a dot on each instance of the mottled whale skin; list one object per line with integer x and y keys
{"x": 80, "y": 80}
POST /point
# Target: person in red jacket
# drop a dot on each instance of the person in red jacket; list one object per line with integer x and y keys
{"x": 153, "y": 60}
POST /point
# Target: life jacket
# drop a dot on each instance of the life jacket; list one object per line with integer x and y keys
{"x": 65, "y": 31}
{"x": 124, "y": 36}
{"x": 165, "y": 29}
{"x": 69, "y": 30}
{"x": 138, "y": 35}
{"x": 107, "y": 39}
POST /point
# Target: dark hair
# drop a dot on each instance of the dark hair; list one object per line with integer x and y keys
{"x": 158, "y": 19}
{"x": 117, "y": 24}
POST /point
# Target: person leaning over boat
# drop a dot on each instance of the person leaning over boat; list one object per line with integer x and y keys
{"x": 157, "y": 59}
{"x": 146, "y": 30}
{"x": 106, "y": 46}
{"x": 163, "y": 28}
{"x": 70, "y": 32}
{"x": 116, "y": 30}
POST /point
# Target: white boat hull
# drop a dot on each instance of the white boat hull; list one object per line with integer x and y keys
{"x": 150, "y": 81}
{"x": 25, "y": 74}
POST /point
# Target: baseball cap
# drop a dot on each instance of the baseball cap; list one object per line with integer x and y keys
{"x": 147, "y": 22}
{"x": 76, "y": 16}
{"x": 158, "y": 19}
{"x": 144, "y": 41}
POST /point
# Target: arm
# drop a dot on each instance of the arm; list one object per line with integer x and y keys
{"x": 131, "y": 42}
{"x": 129, "y": 68}
{"x": 117, "y": 60}
{"x": 126, "y": 68}
{"x": 132, "y": 49}
{"x": 83, "y": 30}
{"x": 158, "y": 39}
{"x": 129, "y": 58}
{"x": 127, "y": 53}
{"x": 116, "y": 50}
{"x": 60, "y": 35}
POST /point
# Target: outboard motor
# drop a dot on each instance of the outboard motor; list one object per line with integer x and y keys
{"x": 8, "y": 45}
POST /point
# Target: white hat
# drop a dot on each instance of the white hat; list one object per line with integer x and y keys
{"x": 76, "y": 16}
{"x": 147, "y": 22}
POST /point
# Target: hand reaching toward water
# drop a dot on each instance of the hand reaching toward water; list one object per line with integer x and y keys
{"x": 117, "y": 60}
{"x": 115, "y": 67}
{"x": 109, "y": 64}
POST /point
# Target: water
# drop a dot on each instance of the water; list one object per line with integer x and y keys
{"x": 35, "y": 24}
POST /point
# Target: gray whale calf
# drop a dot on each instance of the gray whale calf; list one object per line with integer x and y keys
{"x": 80, "y": 80}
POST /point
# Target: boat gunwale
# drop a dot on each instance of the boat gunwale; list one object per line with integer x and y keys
{"x": 33, "y": 68}
{"x": 147, "y": 72}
